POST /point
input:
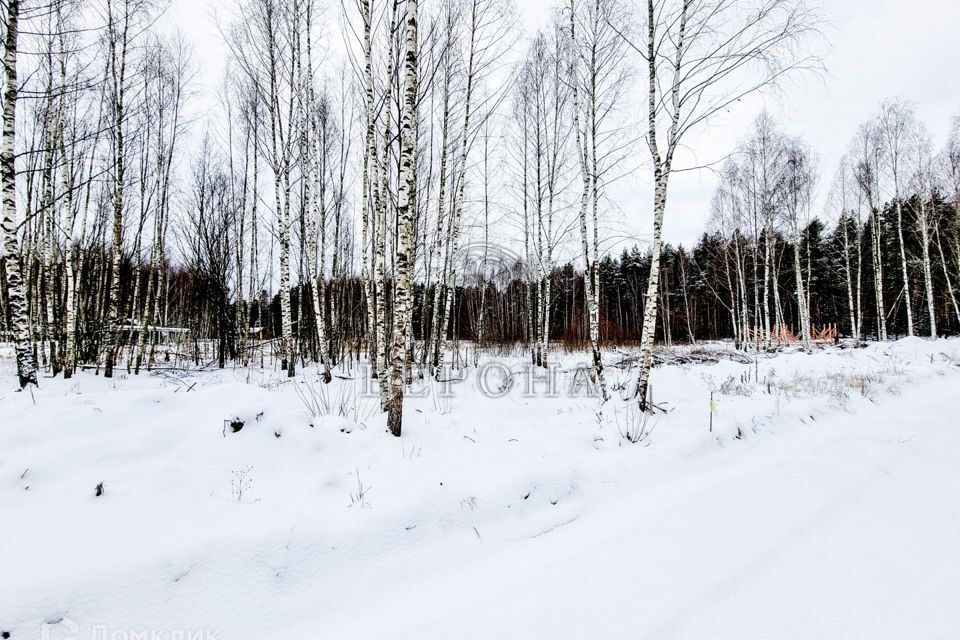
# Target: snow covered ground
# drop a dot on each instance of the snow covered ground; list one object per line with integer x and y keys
{"x": 823, "y": 504}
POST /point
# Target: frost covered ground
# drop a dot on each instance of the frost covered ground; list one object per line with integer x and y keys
{"x": 824, "y": 504}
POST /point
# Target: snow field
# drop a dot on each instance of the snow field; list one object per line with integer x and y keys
{"x": 523, "y": 515}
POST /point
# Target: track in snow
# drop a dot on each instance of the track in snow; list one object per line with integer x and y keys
{"x": 850, "y": 529}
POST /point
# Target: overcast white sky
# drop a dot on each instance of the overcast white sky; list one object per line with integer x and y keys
{"x": 879, "y": 49}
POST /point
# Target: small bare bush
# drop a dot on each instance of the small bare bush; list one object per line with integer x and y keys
{"x": 633, "y": 424}
{"x": 344, "y": 401}
{"x": 240, "y": 483}
{"x": 733, "y": 386}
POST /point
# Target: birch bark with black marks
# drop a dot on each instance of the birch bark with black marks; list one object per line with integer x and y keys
{"x": 26, "y": 368}
{"x": 169, "y": 93}
{"x": 432, "y": 350}
{"x": 460, "y": 180}
{"x": 843, "y": 201}
{"x": 949, "y": 162}
{"x": 382, "y": 204}
{"x": 924, "y": 192}
{"x": 588, "y": 191}
{"x": 406, "y": 205}
{"x": 118, "y": 41}
{"x": 798, "y": 194}
{"x": 895, "y": 125}
{"x": 368, "y": 177}
{"x": 867, "y": 156}
{"x": 732, "y": 49}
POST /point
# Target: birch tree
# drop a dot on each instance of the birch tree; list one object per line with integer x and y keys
{"x": 896, "y": 125}
{"x": 725, "y": 213}
{"x": 167, "y": 69}
{"x": 949, "y": 170}
{"x": 367, "y": 178}
{"x": 26, "y": 368}
{"x": 437, "y": 259}
{"x": 867, "y": 158}
{"x": 843, "y": 198}
{"x": 601, "y": 54}
{"x": 544, "y": 94}
{"x": 702, "y": 56}
{"x": 486, "y": 37}
{"x": 798, "y": 195}
{"x": 479, "y": 15}
{"x": 264, "y": 49}
{"x": 764, "y": 173}
{"x": 406, "y": 204}
{"x": 119, "y": 25}
{"x": 922, "y": 182}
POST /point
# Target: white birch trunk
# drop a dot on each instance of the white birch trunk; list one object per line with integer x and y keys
{"x": 590, "y": 278}
{"x": 854, "y": 324}
{"x": 661, "y": 173}
{"x": 368, "y": 160}
{"x": 878, "y": 274}
{"x": 406, "y": 205}
{"x": 459, "y": 182}
{"x": 801, "y": 297}
{"x": 26, "y": 369}
{"x": 927, "y": 271}
{"x": 118, "y": 75}
{"x": 946, "y": 276}
{"x": 903, "y": 261}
